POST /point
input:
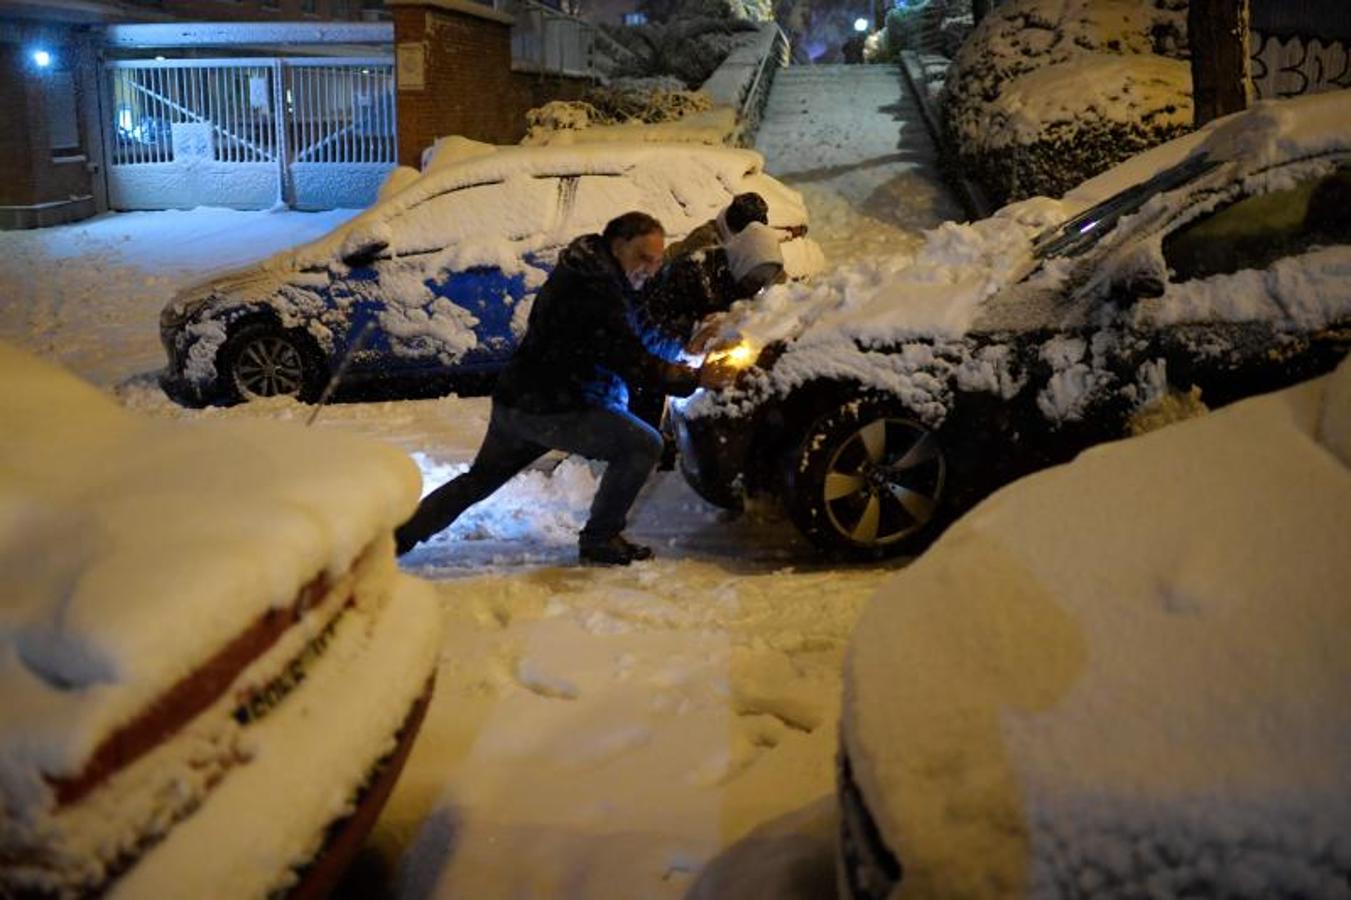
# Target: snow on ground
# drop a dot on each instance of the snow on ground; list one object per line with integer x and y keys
{"x": 89, "y": 294}
{"x": 595, "y": 733}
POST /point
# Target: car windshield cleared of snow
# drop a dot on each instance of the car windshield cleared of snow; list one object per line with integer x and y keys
{"x": 1085, "y": 229}
{"x": 1253, "y": 232}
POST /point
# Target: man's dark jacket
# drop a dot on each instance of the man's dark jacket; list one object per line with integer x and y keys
{"x": 579, "y": 349}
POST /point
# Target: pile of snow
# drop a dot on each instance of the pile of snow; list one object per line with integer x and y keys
{"x": 135, "y": 553}
{"x": 1054, "y": 701}
{"x": 1046, "y": 93}
{"x": 116, "y": 527}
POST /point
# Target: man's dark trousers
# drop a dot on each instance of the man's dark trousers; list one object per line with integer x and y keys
{"x": 515, "y": 439}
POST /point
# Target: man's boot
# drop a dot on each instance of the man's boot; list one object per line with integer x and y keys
{"x": 610, "y": 551}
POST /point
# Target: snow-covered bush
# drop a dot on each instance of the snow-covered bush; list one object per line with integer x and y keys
{"x": 646, "y": 101}
{"x": 929, "y": 26}
{"x": 1047, "y": 93}
{"x": 688, "y": 48}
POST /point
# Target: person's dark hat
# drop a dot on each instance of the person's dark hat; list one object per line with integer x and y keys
{"x": 745, "y": 209}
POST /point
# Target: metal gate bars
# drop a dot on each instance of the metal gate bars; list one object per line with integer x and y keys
{"x": 312, "y": 133}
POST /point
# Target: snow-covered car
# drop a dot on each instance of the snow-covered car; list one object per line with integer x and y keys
{"x": 884, "y": 400}
{"x": 211, "y": 669}
{"x": 1121, "y": 677}
{"x": 434, "y": 283}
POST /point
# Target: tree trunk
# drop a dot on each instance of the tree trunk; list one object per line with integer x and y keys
{"x": 1217, "y": 31}
{"x": 980, "y": 9}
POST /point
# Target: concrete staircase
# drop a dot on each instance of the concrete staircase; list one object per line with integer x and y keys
{"x": 853, "y": 140}
{"x": 834, "y": 115}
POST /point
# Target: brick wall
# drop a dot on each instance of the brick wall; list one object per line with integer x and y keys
{"x": 16, "y": 138}
{"x": 469, "y": 87}
{"x": 35, "y": 175}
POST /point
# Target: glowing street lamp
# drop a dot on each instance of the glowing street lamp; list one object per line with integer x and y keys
{"x": 860, "y": 24}
{"x": 42, "y": 59}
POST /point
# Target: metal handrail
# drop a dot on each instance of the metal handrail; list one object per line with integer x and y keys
{"x": 752, "y": 107}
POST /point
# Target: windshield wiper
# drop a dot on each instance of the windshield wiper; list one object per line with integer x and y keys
{"x": 1085, "y": 229}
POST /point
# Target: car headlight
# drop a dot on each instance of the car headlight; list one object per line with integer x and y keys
{"x": 740, "y": 355}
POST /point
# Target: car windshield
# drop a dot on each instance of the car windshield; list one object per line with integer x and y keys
{"x": 1081, "y": 232}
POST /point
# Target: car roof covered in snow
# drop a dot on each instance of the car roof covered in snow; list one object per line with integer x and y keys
{"x": 688, "y": 170}
{"x": 1272, "y": 131}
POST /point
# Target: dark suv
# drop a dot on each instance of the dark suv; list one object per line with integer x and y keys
{"x": 1218, "y": 264}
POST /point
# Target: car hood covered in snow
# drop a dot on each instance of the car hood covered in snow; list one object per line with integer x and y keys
{"x": 1057, "y": 700}
{"x": 940, "y": 291}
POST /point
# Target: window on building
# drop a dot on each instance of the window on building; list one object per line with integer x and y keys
{"x": 309, "y": 7}
{"x": 271, "y": 4}
{"x": 635, "y": 18}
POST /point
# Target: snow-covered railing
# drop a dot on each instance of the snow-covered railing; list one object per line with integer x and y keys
{"x": 745, "y": 77}
{"x": 548, "y": 41}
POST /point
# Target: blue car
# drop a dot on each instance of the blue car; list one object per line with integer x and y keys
{"x": 430, "y": 289}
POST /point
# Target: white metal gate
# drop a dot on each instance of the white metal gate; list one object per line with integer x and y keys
{"x": 249, "y": 133}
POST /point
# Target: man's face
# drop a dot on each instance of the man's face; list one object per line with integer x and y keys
{"x": 640, "y": 257}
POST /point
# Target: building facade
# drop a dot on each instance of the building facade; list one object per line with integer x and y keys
{"x": 50, "y": 152}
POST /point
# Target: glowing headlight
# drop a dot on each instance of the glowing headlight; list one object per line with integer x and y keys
{"x": 738, "y": 356}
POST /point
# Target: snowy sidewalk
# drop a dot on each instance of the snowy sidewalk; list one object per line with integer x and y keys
{"x": 851, "y": 139}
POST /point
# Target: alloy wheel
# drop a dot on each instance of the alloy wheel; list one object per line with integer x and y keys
{"x": 268, "y": 366}
{"x": 884, "y": 482}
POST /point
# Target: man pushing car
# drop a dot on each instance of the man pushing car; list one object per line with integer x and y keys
{"x": 566, "y": 388}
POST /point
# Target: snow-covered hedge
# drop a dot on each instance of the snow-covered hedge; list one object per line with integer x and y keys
{"x": 689, "y": 48}
{"x": 623, "y": 107}
{"x": 927, "y": 26}
{"x": 1047, "y": 93}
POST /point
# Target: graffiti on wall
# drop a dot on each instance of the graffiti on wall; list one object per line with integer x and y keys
{"x": 1290, "y": 66}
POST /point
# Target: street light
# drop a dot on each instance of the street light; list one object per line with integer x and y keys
{"x": 860, "y": 24}
{"x": 42, "y": 59}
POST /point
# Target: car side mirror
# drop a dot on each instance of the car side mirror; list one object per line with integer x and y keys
{"x": 365, "y": 240}
{"x": 1141, "y": 273}
{"x": 363, "y": 255}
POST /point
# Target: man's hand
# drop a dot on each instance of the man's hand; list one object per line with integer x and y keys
{"x": 709, "y": 331}
{"x": 716, "y": 376}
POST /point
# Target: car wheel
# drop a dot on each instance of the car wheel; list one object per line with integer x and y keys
{"x": 262, "y": 360}
{"x": 868, "y": 480}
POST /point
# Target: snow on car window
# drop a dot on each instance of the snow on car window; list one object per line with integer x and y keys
{"x": 600, "y": 198}
{"x": 490, "y": 214}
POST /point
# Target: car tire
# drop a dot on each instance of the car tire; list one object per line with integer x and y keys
{"x": 263, "y": 360}
{"x": 867, "y": 480}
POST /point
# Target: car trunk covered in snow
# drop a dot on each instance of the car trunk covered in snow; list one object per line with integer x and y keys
{"x": 1126, "y": 675}
{"x": 192, "y": 616}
